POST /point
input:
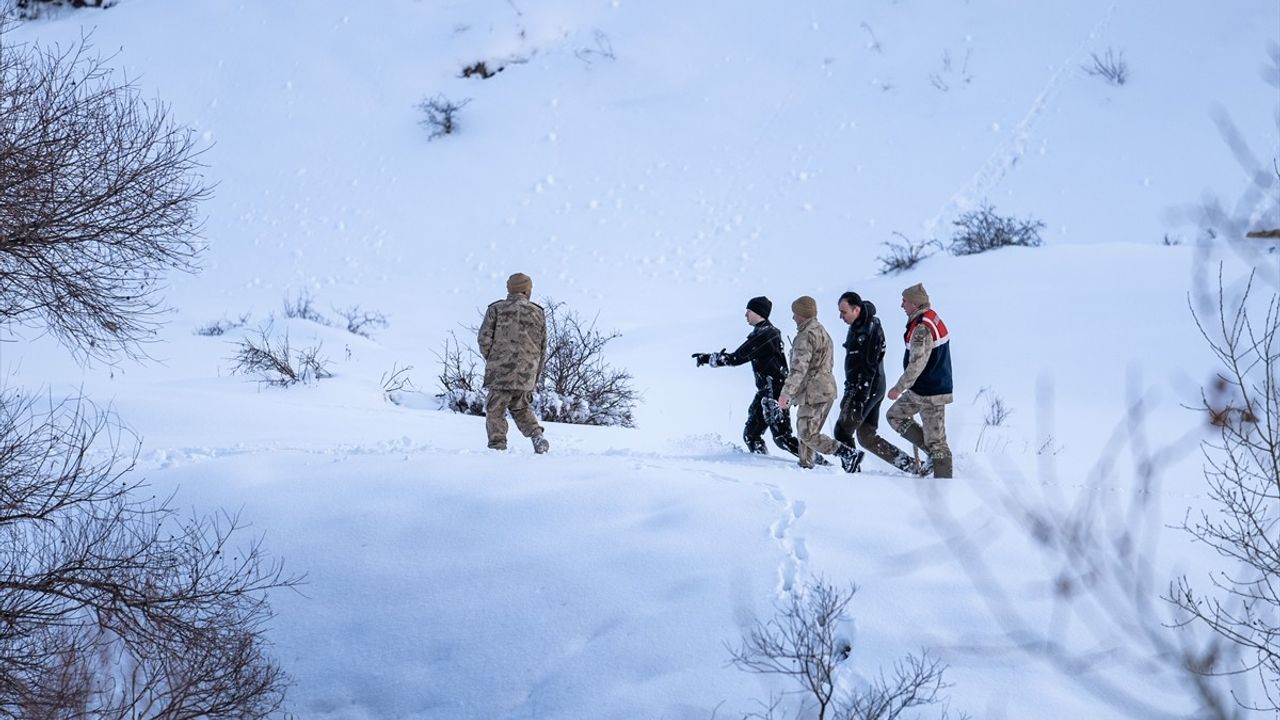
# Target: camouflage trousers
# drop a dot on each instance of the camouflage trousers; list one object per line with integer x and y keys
{"x": 932, "y": 438}
{"x": 809, "y": 420}
{"x": 496, "y": 406}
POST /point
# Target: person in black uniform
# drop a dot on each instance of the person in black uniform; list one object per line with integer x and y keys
{"x": 864, "y": 383}
{"x": 763, "y": 349}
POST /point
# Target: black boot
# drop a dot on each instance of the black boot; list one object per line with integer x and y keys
{"x": 850, "y": 458}
{"x": 757, "y": 446}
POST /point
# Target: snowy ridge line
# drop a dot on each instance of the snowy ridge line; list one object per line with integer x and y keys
{"x": 1007, "y": 155}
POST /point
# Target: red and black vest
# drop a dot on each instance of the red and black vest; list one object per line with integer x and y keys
{"x": 936, "y": 378}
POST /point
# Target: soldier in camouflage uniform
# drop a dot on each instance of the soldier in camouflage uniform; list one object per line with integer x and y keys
{"x": 513, "y": 343}
{"x": 925, "y": 386}
{"x": 811, "y": 385}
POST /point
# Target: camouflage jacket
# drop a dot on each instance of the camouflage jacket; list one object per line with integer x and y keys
{"x": 812, "y": 379}
{"x": 513, "y": 343}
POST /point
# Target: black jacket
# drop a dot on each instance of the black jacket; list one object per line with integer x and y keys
{"x": 763, "y": 349}
{"x": 864, "y": 356}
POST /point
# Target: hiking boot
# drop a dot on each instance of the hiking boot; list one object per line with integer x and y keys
{"x": 942, "y": 467}
{"x": 926, "y": 467}
{"x": 540, "y": 444}
{"x": 757, "y": 447}
{"x": 850, "y": 458}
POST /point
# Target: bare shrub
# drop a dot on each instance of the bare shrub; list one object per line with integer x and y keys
{"x": 479, "y": 69}
{"x": 1110, "y": 67}
{"x": 577, "y": 386}
{"x": 803, "y": 642}
{"x": 99, "y": 194}
{"x": 906, "y": 254}
{"x": 1242, "y": 608}
{"x": 32, "y": 9}
{"x": 994, "y": 415}
{"x": 603, "y": 49}
{"x": 222, "y": 327}
{"x": 303, "y": 307}
{"x": 276, "y": 363}
{"x": 396, "y": 381}
{"x": 440, "y": 115}
{"x": 983, "y": 229}
{"x": 362, "y": 322}
{"x": 461, "y": 377}
{"x": 116, "y": 607}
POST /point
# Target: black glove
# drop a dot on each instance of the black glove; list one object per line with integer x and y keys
{"x": 702, "y": 358}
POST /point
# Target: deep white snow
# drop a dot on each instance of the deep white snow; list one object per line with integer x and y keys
{"x": 654, "y": 165}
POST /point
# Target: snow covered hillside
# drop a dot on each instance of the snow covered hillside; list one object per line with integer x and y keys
{"x": 654, "y": 165}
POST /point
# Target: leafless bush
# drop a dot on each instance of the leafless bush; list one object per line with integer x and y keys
{"x": 803, "y": 641}
{"x": 222, "y": 327}
{"x": 982, "y": 230}
{"x": 994, "y": 416}
{"x": 1110, "y": 67}
{"x": 32, "y": 9}
{"x": 480, "y": 69}
{"x": 577, "y": 385}
{"x": 276, "y": 363}
{"x": 1243, "y": 477}
{"x": 99, "y": 195}
{"x": 114, "y": 607}
{"x": 440, "y": 115}
{"x": 603, "y": 49}
{"x": 362, "y": 322}
{"x": 906, "y": 254}
{"x": 303, "y": 307}
{"x": 461, "y": 377}
{"x": 396, "y": 381}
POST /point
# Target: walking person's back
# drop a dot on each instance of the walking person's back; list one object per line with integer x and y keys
{"x": 513, "y": 343}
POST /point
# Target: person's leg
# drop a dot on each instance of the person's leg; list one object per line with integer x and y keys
{"x": 845, "y": 423}
{"x": 809, "y": 420}
{"x": 522, "y": 412}
{"x": 935, "y": 434}
{"x": 753, "y": 431}
{"x": 495, "y": 417}
{"x": 902, "y": 417}
{"x": 869, "y": 438}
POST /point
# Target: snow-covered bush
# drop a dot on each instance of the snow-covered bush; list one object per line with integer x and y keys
{"x": 221, "y": 327}
{"x": 440, "y": 115}
{"x": 275, "y": 362}
{"x": 982, "y": 230}
{"x": 31, "y": 9}
{"x": 303, "y": 307}
{"x": 577, "y": 386}
{"x": 1110, "y": 67}
{"x": 362, "y": 322}
{"x": 810, "y": 641}
{"x": 906, "y": 254}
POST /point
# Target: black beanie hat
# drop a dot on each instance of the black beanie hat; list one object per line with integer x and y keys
{"x": 760, "y": 306}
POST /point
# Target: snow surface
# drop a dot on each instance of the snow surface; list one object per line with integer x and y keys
{"x": 725, "y": 150}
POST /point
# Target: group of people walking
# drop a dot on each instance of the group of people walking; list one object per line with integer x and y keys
{"x": 513, "y": 343}
{"x": 924, "y": 388}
